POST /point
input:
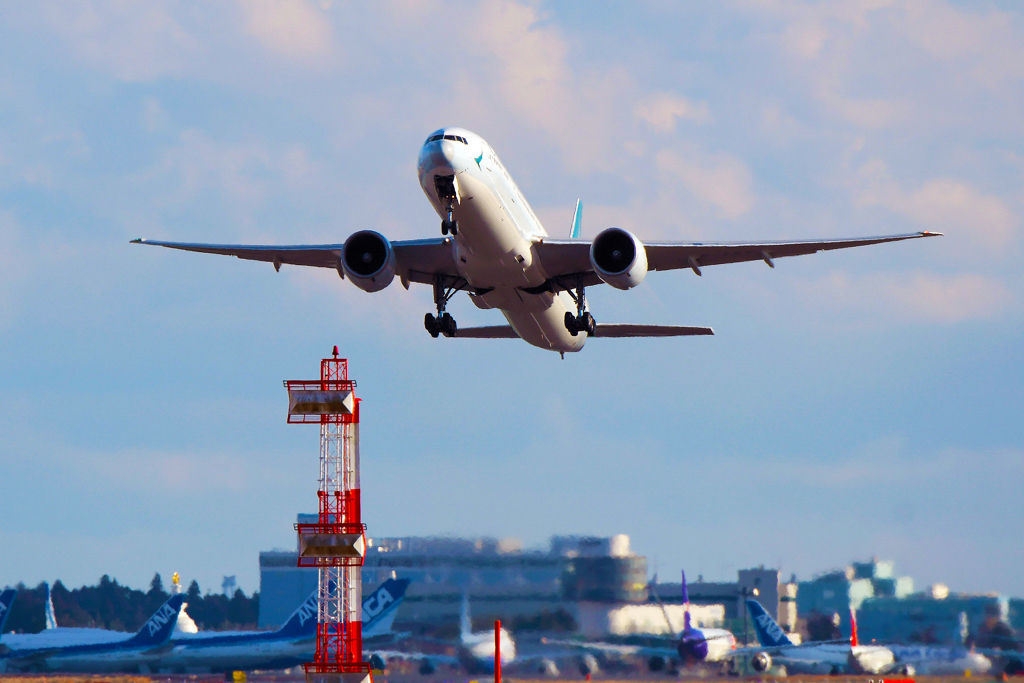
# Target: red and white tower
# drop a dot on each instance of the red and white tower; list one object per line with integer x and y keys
{"x": 336, "y": 544}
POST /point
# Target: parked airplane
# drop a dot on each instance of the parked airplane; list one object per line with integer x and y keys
{"x": 495, "y": 249}
{"x": 811, "y": 658}
{"x": 290, "y": 645}
{"x": 690, "y": 646}
{"x": 6, "y": 600}
{"x": 474, "y": 651}
{"x": 132, "y": 654}
{"x": 934, "y": 660}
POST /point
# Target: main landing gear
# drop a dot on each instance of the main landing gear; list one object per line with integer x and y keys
{"x": 582, "y": 321}
{"x": 445, "y": 287}
{"x": 445, "y": 185}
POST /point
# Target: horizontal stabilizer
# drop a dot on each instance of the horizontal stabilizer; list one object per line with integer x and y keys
{"x": 489, "y": 332}
{"x": 617, "y": 330}
{"x": 609, "y": 330}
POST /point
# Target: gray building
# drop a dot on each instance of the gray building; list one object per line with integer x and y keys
{"x": 501, "y": 579}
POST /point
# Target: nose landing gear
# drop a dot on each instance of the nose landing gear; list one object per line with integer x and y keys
{"x": 448, "y": 193}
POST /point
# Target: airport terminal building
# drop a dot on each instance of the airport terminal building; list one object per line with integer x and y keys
{"x": 500, "y": 578}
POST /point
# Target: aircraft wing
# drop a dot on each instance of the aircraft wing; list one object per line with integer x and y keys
{"x": 565, "y": 258}
{"x": 416, "y": 260}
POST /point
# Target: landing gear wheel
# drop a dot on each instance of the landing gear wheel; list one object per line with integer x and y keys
{"x": 570, "y": 324}
{"x": 430, "y": 322}
{"x": 449, "y": 225}
{"x": 588, "y": 324}
{"x": 447, "y": 325}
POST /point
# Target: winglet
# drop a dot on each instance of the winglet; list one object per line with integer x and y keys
{"x": 577, "y": 220}
{"x": 929, "y": 233}
{"x": 137, "y": 240}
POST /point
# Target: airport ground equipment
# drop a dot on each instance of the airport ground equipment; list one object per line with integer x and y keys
{"x": 336, "y": 543}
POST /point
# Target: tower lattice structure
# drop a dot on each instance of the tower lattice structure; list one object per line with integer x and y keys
{"x": 336, "y": 543}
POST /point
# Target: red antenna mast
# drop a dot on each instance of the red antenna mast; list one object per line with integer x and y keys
{"x": 336, "y": 543}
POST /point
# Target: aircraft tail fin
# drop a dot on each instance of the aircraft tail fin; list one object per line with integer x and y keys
{"x": 577, "y": 221}
{"x": 465, "y": 623}
{"x": 6, "y": 600}
{"x": 381, "y": 606}
{"x": 51, "y": 617}
{"x": 769, "y": 633}
{"x": 303, "y": 620}
{"x": 686, "y": 605}
{"x": 960, "y": 636}
{"x": 158, "y": 629}
{"x": 853, "y": 628}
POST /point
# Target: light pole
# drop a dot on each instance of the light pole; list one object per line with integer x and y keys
{"x": 745, "y": 592}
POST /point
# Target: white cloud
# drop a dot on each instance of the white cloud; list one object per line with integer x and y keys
{"x": 294, "y": 28}
{"x": 661, "y": 110}
{"x": 719, "y": 179}
{"x": 915, "y": 296}
{"x": 942, "y": 204}
{"x": 133, "y": 41}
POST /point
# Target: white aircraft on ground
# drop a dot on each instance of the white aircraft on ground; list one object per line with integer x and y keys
{"x": 812, "y": 658}
{"x": 691, "y": 646}
{"x": 474, "y": 651}
{"x": 495, "y": 249}
{"x": 291, "y": 645}
{"x": 56, "y": 651}
{"x": 216, "y": 651}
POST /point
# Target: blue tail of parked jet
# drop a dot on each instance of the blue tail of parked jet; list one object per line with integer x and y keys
{"x": 302, "y": 622}
{"x": 157, "y": 630}
{"x": 381, "y": 606}
{"x": 6, "y": 600}
{"x": 769, "y": 633}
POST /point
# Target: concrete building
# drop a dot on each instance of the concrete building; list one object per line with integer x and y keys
{"x": 501, "y": 579}
{"x": 837, "y": 591}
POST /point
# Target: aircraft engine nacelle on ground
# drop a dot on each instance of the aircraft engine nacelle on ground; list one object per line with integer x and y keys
{"x": 761, "y": 662}
{"x": 619, "y": 258}
{"x": 368, "y": 260}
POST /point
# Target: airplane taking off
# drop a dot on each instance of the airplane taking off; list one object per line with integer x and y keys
{"x": 494, "y": 248}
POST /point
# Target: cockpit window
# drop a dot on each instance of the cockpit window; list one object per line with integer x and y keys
{"x": 441, "y": 136}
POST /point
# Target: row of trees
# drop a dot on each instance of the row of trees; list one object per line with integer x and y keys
{"x": 110, "y": 605}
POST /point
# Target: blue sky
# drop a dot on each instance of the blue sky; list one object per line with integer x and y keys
{"x": 851, "y": 404}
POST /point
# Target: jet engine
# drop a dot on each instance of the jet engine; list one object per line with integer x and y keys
{"x": 368, "y": 260}
{"x": 619, "y": 258}
{"x": 761, "y": 662}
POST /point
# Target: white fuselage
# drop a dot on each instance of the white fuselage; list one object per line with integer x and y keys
{"x": 477, "y": 650}
{"x": 828, "y": 658}
{"x": 497, "y": 229}
{"x": 942, "y": 661}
